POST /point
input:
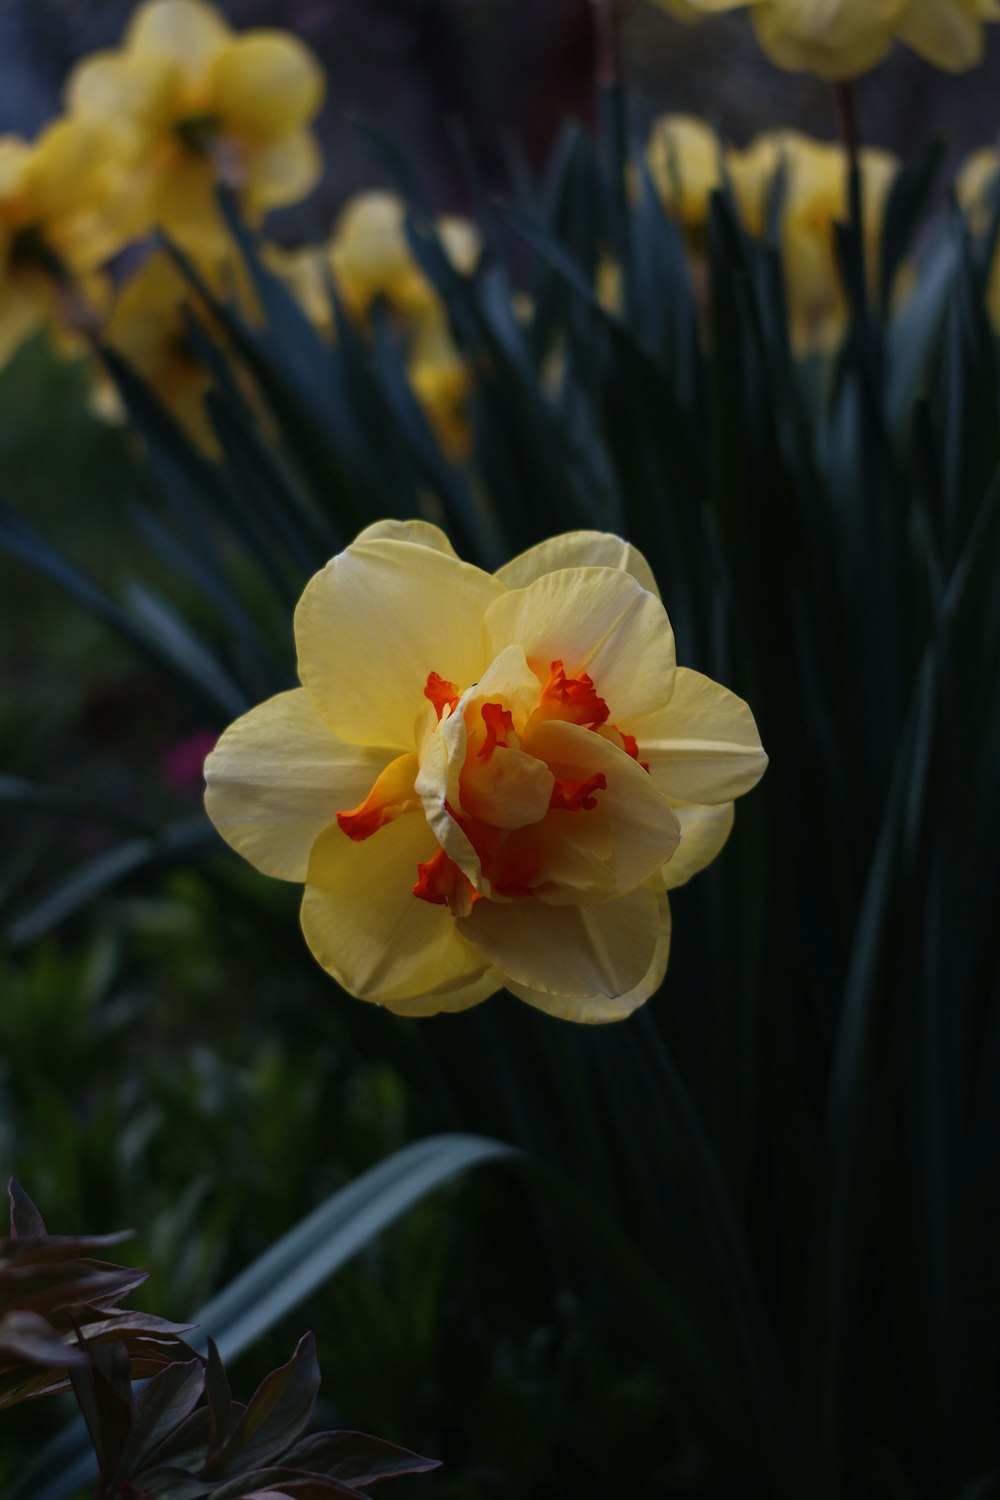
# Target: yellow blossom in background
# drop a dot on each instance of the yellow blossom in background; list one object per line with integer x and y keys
{"x": 147, "y": 326}
{"x": 976, "y": 187}
{"x": 684, "y": 156}
{"x": 840, "y": 39}
{"x": 688, "y": 162}
{"x": 486, "y": 780}
{"x": 305, "y": 271}
{"x": 197, "y": 105}
{"x": 370, "y": 256}
{"x": 442, "y": 382}
{"x": 368, "y": 259}
{"x": 58, "y": 209}
{"x": 815, "y": 198}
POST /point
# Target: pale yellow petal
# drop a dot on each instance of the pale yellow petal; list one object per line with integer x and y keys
{"x": 15, "y": 158}
{"x": 420, "y": 533}
{"x": 277, "y": 778}
{"x": 370, "y": 628}
{"x": 65, "y": 166}
{"x": 21, "y": 315}
{"x": 577, "y": 549}
{"x": 454, "y": 1000}
{"x": 802, "y": 37}
{"x": 266, "y": 84}
{"x": 187, "y": 32}
{"x": 596, "y": 1009}
{"x": 284, "y": 171}
{"x": 183, "y": 202}
{"x": 365, "y": 927}
{"x": 946, "y": 33}
{"x": 704, "y": 746}
{"x": 704, "y": 830}
{"x": 123, "y": 88}
{"x": 572, "y": 951}
{"x": 594, "y": 620}
{"x": 690, "y": 10}
{"x": 642, "y": 825}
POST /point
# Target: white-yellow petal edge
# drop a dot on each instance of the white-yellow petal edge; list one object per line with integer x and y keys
{"x": 597, "y": 1009}
{"x": 577, "y": 549}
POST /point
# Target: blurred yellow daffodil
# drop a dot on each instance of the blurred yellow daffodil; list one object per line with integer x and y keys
{"x": 148, "y": 327}
{"x": 58, "y": 198}
{"x": 370, "y": 256}
{"x": 198, "y": 105}
{"x": 840, "y": 39}
{"x": 442, "y": 381}
{"x": 486, "y": 780}
{"x": 814, "y": 199}
{"x": 688, "y": 161}
{"x": 684, "y": 157}
{"x": 977, "y": 187}
{"x": 368, "y": 259}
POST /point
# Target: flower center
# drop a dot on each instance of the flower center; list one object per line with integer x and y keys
{"x": 502, "y": 781}
{"x": 198, "y": 133}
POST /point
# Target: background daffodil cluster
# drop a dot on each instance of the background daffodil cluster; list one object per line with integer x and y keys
{"x": 783, "y": 174}
{"x": 186, "y": 106}
{"x": 840, "y": 39}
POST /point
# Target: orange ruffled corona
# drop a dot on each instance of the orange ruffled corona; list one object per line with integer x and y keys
{"x": 491, "y": 780}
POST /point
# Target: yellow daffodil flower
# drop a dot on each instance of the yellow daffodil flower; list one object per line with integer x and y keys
{"x": 370, "y": 256}
{"x": 815, "y": 198}
{"x": 57, "y": 227}
{"x": 840, "y": 39}
{"x": 976, "y": 187}
{"x": 486, "y": 780}
{"x": 147, "y": 326}
{"x": 442, "y": 383}
{"x": 368, "y": 259}
{"x": 198, "y": 105}
{"x": 684, "y": 156}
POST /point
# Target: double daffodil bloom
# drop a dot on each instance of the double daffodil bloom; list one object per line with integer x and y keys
{"x": 198, "y": 105}
{"x": 58, "y": 198}
{"x": 840, "y": 39}
{"x": 486, "y": 780}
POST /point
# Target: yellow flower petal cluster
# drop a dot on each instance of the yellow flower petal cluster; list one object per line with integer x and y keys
{"x": 59, "y": 197}
{"x": 486, "y": 780}
{"x": 369, "y": 260}
{"x": 815, "y": 198}
{"x": 840, "y": 39}
{"x": 688, "y": 161}
{"x": 148, "y": 327}
{"x": 976, "y": 188}
{"x": 197, "y": 105}
{"x": 685, "y": 163}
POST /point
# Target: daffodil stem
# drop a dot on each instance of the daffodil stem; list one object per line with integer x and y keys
{"x": 845, "y": 96}
{"x": 608, "y": 43}
{"x": 609, "y": 75}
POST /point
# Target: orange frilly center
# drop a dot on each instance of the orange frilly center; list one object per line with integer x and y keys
{"x": 505, "y": 794}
